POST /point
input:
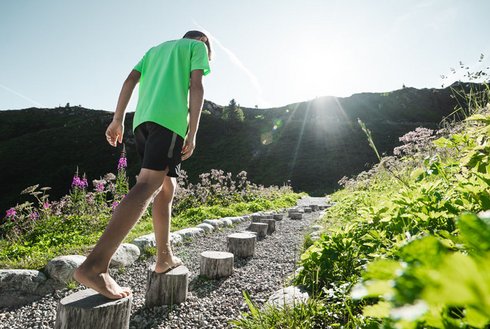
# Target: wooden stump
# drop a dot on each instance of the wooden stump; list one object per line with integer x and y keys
{"x": 166, "y": 288}
{"x": 259, "y": 228}
{"x": 89, "y": 309}
{"x": 216, "y": 264}
{"x": 295, "y": 211}
{"x": 278, "y": 216}
{"x": 296, "y": 216}
{"x": 271, "y": 224}
{"x": 241, "y": 244}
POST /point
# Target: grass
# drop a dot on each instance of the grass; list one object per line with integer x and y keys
{"x": 78, "y": 233}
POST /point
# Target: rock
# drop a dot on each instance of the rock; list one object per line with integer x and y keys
{"x": 61, "y": 268}
{"x": 19, "y": 287}
{"x": 215, "y": 222}
{"x": 236, "y": 220}
{"x": 125, "y": 255}
{"x": 315, "y": 236}
{"x": 190, "y": 232}
{"x": 208, "y": 228}
{"x": 226, "y": 222}
{"x": 484, "y": 214}
{"x": 246, "y": 217}
{"x": 287, "y": 296}
{"x": 176, "y": 239}
{"x": 145, "y": 241}
{"x": 316, "y": 228}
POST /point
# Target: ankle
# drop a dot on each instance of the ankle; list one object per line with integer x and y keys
{"x": 88, "y": 267}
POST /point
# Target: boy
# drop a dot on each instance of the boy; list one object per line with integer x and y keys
{"x": 165, "y": 126}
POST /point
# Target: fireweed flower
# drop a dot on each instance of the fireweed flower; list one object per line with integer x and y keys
{"x": 11, "y": 212}
{"x": 99, "y": 186}
{"x": 46, "y": 205}
{"x": 34, "y": 215}
{"x": 114, "y": 205}
{"x": 123, "y": 163}
{"x": 78, "y": 182}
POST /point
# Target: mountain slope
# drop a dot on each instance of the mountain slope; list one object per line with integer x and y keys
{"x": 312, "y": 144}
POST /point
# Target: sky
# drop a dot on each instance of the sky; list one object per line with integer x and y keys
{"x": 266, "y": 53}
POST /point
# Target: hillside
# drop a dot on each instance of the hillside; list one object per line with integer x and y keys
{"x": 313, "y": 144}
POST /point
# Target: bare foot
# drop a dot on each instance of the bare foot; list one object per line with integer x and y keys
{"x": 103, "y": 283}
{"x": 167, "y": 265}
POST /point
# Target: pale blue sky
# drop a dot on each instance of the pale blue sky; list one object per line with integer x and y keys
{"x": 267, "y": 52}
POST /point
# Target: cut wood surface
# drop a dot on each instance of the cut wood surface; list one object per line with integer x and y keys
{"x": 87, "y": 309}
{"x": 216, "y": 264}
{"x": 241, "y": 244}
{"x": 166, "y": 288}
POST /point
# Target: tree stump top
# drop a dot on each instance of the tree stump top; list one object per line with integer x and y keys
{"x": 242, "y": 235}
{"x": 217, "y": 254}
{"x": 90, "y": 299}
{"x": 179, "y": 270}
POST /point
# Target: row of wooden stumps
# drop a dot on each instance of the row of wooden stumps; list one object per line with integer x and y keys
{"x": 88, "y": 309}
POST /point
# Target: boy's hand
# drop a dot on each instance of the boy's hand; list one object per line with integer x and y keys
{"x": 188, "y": 148}
{"x": 114, "y": 133}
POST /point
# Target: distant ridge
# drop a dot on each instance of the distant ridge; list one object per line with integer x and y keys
{"x": 311, "y": 144}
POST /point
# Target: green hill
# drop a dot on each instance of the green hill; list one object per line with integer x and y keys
{"x": 311, "y": 144}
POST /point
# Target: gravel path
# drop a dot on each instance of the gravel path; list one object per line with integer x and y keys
{"x": 210, "y": 303}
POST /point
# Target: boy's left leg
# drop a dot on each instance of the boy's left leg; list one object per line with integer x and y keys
{"x": 161, "y": 213}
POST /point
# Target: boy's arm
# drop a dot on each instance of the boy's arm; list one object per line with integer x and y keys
{"x": 196, "y": 99}
{"x": 115, "y": 131}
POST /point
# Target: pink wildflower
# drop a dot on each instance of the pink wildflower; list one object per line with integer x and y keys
{"x": 11, "y": 212}
{"x": 123, "y": 163}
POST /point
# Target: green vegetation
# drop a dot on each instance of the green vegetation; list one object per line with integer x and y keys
{"x": 36, "y": 231}
{"x": 408, "y": 244}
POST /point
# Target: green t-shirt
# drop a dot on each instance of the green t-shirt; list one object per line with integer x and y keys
{"x": 164, "y": 83}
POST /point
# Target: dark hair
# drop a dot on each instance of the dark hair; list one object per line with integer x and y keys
{"x": 198, "y": 34}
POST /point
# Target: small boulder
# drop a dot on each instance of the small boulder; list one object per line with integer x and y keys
{"x": 145, "y": 241}
{"x": 214, "y": 222}
{"x": 176, "y": 239}
{"x": 236, "y": 220}
{"x": 19, "y": 287}
{"x": 208, "y": 228}
{"x": 288, "y": 296}
{"x": 125, "y": 255}
{"x": 226, "y": 222}
{"x": 316, "y": 228}
{"x": 190, "y": 232}
{"x": 61, "y": 268}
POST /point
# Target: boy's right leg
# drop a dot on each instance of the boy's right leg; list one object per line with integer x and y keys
{"x": 161, "y": 213}
{"x": 93, "y": 272}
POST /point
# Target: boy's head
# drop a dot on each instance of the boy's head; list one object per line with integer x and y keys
{"x": 198, "y": 35}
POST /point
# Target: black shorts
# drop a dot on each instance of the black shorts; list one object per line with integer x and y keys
{"x": 159, "y": 147}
